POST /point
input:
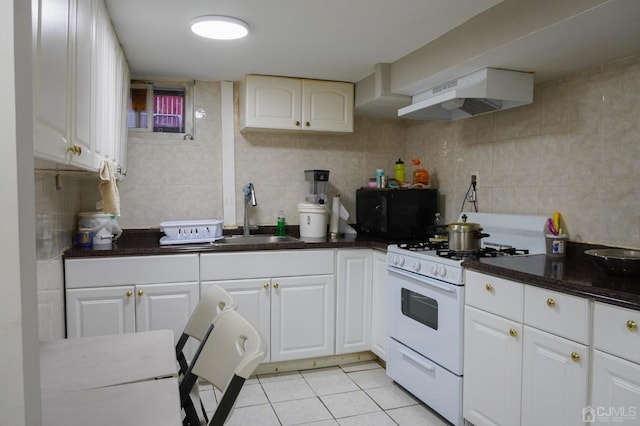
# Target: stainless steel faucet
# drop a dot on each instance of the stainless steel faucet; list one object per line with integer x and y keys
{"x": 249, "y": 199}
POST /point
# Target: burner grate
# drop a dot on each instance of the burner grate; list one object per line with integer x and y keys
{"x": 424, "y": 246}
{"x": 484, "y": 252}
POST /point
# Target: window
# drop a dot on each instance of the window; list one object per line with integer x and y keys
{"x": 157, "y": 107}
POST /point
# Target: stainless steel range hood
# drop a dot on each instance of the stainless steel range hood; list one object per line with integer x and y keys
{"x": 483, "y": 91}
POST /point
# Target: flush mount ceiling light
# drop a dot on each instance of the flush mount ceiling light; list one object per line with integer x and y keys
{"x": 219, "y": 27}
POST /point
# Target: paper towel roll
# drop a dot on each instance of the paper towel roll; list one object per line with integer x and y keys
{"x": 334, "y": 224}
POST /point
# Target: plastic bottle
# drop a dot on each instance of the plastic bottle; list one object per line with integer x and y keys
{"x": 379, "y": 174}
{"x": 400, "y": 174}
{"x": 280, "y": 228}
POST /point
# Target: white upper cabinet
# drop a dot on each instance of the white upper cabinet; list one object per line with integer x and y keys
{"x": 327, "y": 106}
{"x": 78, "y": 80}
{"x": 291, "y": 104}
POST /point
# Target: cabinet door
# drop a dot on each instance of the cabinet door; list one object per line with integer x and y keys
{"x": 492, "y": 369}
{"x": 104, "y": 77}
{"x": 165, "y": 306}
{"x": 353, "y": 301}
{"x": 51, "y": 79}
{"x": 252, "y": 297}
{"x": 273, "y": 102}
{"x": 83, "y": 96}
{"x": 100, "y": 311}
{"x": 379, "y": 336}
{"x": 327, "y": 106}
{"x": 302, "y": 317}
{"x": 615, "y": 390}
{"x": 554, "y": 379}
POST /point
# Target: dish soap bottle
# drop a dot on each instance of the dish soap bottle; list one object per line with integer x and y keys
{"x": 280, "y": 227}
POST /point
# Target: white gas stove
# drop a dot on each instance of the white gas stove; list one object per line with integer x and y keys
{"x": 425, "y": 305}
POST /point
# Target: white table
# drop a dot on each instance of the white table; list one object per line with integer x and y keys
{"x": 93, "y": 362}
{"x": 150, "y": 402}
{"x": 125, "y": 379}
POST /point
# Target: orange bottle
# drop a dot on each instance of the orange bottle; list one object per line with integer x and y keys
{"x": 420, "y": 175}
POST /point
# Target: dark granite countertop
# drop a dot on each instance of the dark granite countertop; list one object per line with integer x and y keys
{"x": 575, "y": 274}
{"x": 146, "y": 242}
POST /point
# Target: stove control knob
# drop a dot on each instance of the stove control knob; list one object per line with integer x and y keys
{"x": 416, "y": 266}
{"x": 398, "y": 261}
{"x": 443, "y": 271}
{"x": 434, "y": 270}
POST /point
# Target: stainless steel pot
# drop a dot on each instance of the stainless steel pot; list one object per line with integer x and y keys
{"x": 465, "y": 237}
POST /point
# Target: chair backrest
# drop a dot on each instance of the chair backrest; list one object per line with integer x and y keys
{"x": 233, "y": 347}
{"x": 228, "y": 356}
{"x": 212, "y": 302}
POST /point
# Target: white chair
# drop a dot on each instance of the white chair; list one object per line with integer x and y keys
{"x": 212, "y": 302}
{"x": 230, "y": 354}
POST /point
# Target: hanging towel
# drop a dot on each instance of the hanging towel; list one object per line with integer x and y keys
{"x": 109, "y": 190}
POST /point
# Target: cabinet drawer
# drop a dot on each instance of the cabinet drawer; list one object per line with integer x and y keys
{"x": 616, "y": 330}
{"x": 558, "y": 313}
{"x": 496, "y": 295}
{"x": 127, "y": 270}
{"x": 244, "y": 265}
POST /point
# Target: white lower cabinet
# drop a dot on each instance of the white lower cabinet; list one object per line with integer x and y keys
{"x": 554, "y": 379}
{"x": 100, "y": 311}
{"x": 113, "y": 295}
{"x": 615, "y": 394}
{"x": 379, "y": 335}
{"x": 515, "y": 372}
{"x": 353, "y": 300}
{"x": 288, "y": 296}
{"x": 492, "y": 368}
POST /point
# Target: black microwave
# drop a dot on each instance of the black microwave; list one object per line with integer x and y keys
{"x": 396, "y": 214}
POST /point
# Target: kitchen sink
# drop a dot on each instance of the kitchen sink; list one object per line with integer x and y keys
{"x": 255, "y": 239}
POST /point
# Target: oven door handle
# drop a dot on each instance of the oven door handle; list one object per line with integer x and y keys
{"x": 443, "y": 287}
{"x": 418, "y": 361}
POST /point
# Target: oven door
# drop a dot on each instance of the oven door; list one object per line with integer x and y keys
{"x": 427, "y": 316}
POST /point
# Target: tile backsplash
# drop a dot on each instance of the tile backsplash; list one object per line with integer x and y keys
{"x": 58, "y": 200}
{"x": 575, "y": 149}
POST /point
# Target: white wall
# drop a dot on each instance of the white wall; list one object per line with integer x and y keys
{"x": 19, "y": 351}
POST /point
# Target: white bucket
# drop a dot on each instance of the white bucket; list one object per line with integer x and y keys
{"x": 313, "y": 220}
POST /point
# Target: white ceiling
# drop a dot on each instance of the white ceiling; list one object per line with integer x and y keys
{"x": 325, "y": 39}
{"x": 425, "y": 42}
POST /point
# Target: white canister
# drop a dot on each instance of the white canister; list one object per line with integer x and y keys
{"x": 313, "y": 220}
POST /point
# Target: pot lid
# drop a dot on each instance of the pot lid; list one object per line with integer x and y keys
{"x": 464, "y": 226}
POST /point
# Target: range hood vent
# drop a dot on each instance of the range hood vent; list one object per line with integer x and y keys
{"x": 481, "y": 92}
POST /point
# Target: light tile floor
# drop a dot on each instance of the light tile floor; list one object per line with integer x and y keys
{"x": 346, "y": 395}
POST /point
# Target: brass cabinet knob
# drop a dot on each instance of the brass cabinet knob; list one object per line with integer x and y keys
{"x": 489, "y": 287}
{"x": 265, "y": 285}
{"x": 129, "y": 293}
{"x": 140, "y": 292}
{"x": 276, "y": 285}
{"x": 297, "y": 124}
{"x": 306, "y": 123}
{"x": 575, "y": 356}
{"x": 75, "y": 149}
{"x": 551, "y": 303}
{"x": 513, "y": 332}
{"x": 631, "y": 325}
